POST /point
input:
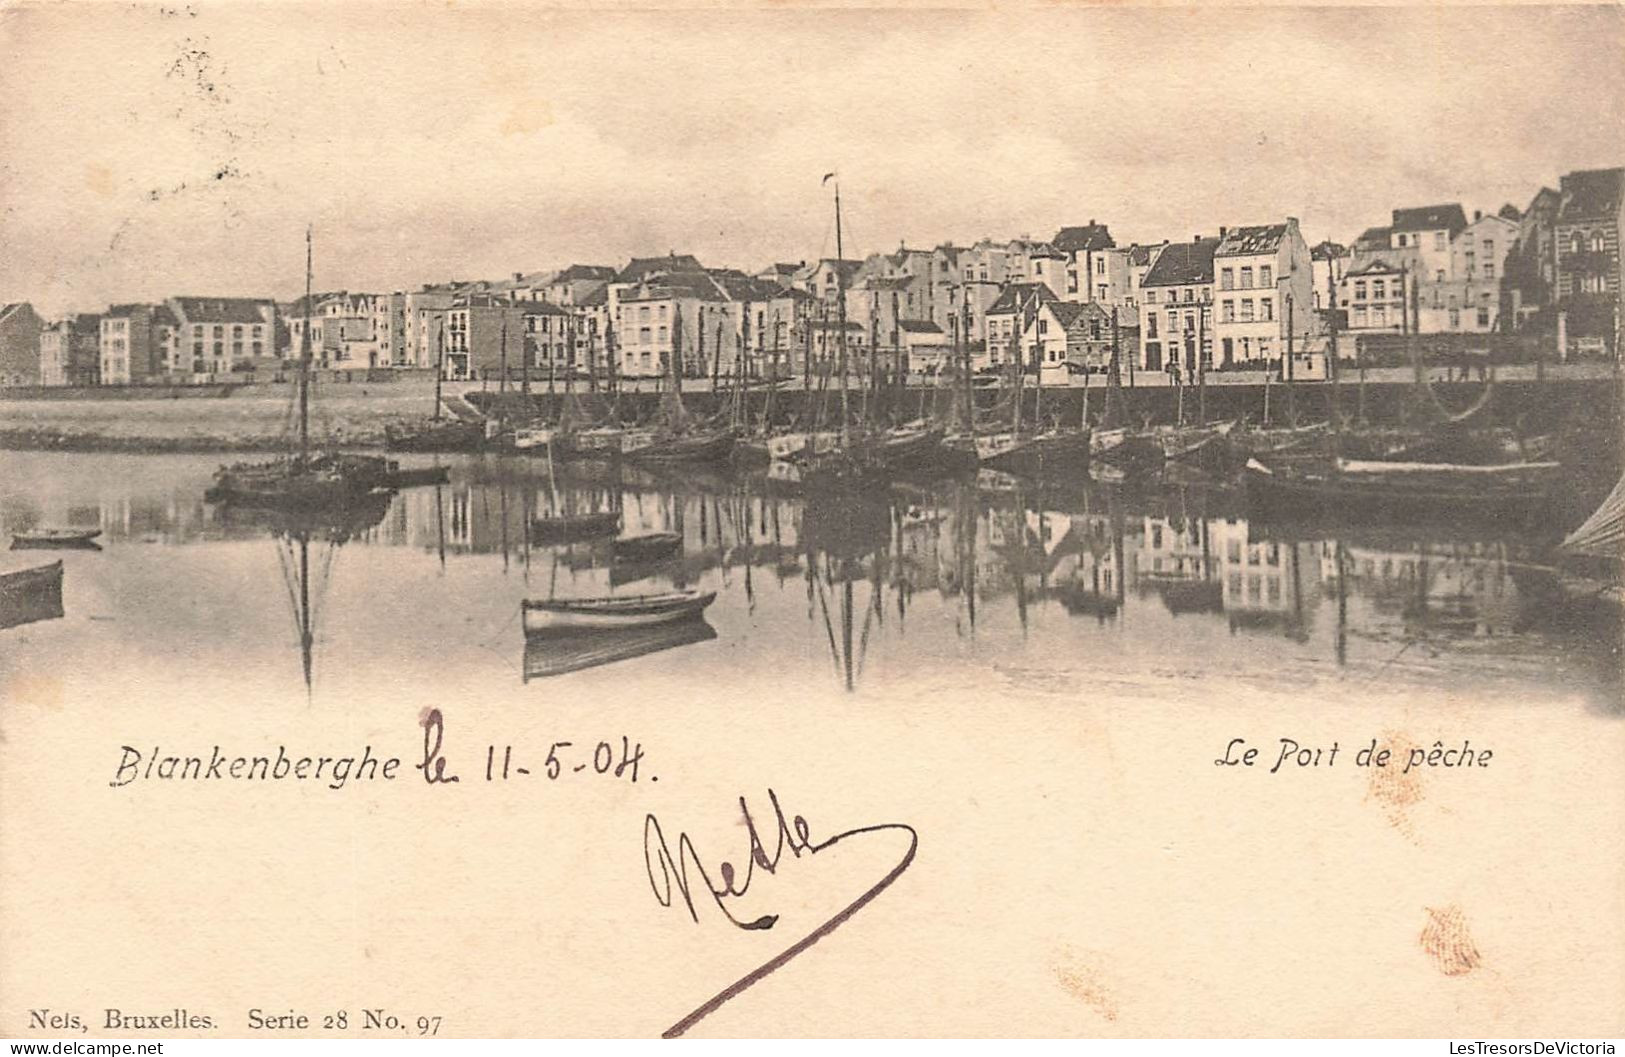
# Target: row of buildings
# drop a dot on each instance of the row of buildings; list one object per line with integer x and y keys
{"x": 1246, "y": 296}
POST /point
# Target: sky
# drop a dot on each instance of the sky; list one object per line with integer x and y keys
{"x": 148, "y": 151}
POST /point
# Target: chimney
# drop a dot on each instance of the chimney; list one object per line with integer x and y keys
{"x": 1478, "y": 214}
{"x": 1223, "y": 231}
{"x": 518, "y": 276}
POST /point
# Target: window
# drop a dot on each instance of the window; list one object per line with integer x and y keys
{"x": 1228, "y": 311}
{"x": 1173, "y": 321}
{"x": 1227, "y": 279}
{"x": 1264, "y": 348}
{"x": 643, "y": 313}
{"x": 643, "y": 336}
{"x": 1266, "y": 308}
{"x": 1596, "y": 242}
{"x": 1489, "y": 269}
{"x": 1246, "y": 278}
{"x": 1378, "y": 289}
{"x": 1455, "y": 319}
{"x": 1151, "y": 325}
{"x": 1400, "y": 240}
{"x": 1150, "y": 297}
{"x": 1483, "y": 317}
{"x": 1359, "y": 316}
{"x": 1359, "y": 290}
{"x": 1438, "y": 240}
{"x": 1246, "y": 310}
{"x": 1102, "y": 289}
{"x": 237, "y": 330}
{"x": 1100, "y": 266}
{"x": 1265, "y": 276}
{"x": 1489, "y": 247}
{"x": 1438, "y": 276}
{"x": 1190, "y": 323}
{"x": 1379, "y": 316}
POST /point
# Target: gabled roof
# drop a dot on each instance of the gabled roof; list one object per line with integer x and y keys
{"x": 1251, "y": 241}
{"x": 1509, "y": 212}
{"x": 1140, "y": 255}
{"x": 541, "y": 308}
{"x": 220, "y": 309}
{"x": 1592, "y": 194}
{"x": 889, "y": 282}
{"x": 585, "y": 271}
{"x": 1020, "y": 295}
{"x": 950, "y": 251}
{"x": 1374, "y": 237}
{"x": 598, "y": 296}
{"x": 640, "y": 268}
{"x": 1068, "y": 313}
{"x": 1183, "y": 262}
{"x": 120, "y": 311}
{"x": 1373, "y": 267}
{"x": 1430, "y": 218}
{"x": 919, "y": 326}
{"x": 1090, "y": 236}
{"x": 15, "y": 306}
{"x": 162, "y": 316}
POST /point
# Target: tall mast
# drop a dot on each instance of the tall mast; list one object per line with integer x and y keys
{"x": 439, "y": 367}
{"x": 304, "y": 363}
{"x": 840, "y": 297}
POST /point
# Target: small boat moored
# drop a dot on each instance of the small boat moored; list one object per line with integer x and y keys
{"x": 567, "y": 615}
{"x": 53, "y": 537}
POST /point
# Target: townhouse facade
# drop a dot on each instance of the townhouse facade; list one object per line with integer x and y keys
{"x": 1590, "y": 268}
{"x": 70, "y": 351}
{"x": 20, "y": 328}
{"x": 1264, "y": 297}
{"x": 1176, "y": 307}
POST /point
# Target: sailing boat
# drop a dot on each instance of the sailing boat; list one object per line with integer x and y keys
{"x": 1035, "y": 451}
{"x": 439, "y": 433}
{"x": 676, "y": 439}
{"x": 301, "y": 479}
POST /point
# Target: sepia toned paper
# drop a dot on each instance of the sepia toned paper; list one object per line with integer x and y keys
{"x": 975, "y": 789}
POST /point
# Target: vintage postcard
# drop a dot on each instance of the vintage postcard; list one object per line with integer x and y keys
{"x": 811, "y": 521}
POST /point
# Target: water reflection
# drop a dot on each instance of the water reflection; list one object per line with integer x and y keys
{"x": 917, "y": 579}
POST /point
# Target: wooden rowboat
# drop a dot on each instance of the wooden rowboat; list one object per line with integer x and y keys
{"x": 1348, "y": 490}
{"x": 49, "y": 537}
{"x": 566, "y": 615}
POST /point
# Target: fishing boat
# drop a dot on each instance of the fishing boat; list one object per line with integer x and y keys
{"x": 647, "y": 547}
{"x": 1352, "y": 490}
{"x": 436, "y": 435}
{"x": 570, "y": 528}
{"x": 1592, "y": 557}
{"x": 1130, "y": 451}
{"x": 55, "y": 537}
{"x": 701, "y": 445}
{"x": 30, "y": 594}
{"x": 302, "y": 479}
{"x": 549, "y": 655}
{"x": 798, "y": 446}
{"x": 533, "y": 439}
{"x": 552, "y": 616}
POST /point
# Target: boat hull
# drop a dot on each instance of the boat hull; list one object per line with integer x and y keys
{"x": 1332, "y": 494}
{"x": 631, "y": 611}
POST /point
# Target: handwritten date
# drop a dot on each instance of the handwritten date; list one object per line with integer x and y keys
{"x": 503, "y": 764}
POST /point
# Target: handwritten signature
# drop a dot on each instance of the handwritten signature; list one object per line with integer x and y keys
{"x": 669, "y": 873}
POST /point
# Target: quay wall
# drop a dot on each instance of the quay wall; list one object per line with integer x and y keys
{"x": 260, "y": 416}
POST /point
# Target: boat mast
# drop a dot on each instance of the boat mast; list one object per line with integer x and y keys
{"x": 439, "y": 368}
{"x": 304, "y": 363}
{"x": 840, "y": 297}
